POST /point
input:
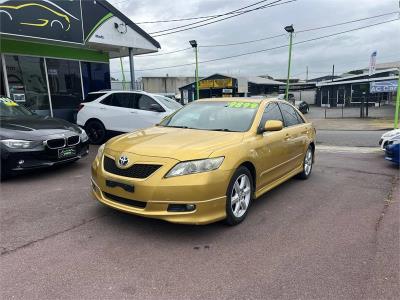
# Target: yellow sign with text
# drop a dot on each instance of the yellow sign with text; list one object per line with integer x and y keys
{"x": 216, "y": 83}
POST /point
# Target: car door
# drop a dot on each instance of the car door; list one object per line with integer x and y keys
{"x": 147, "y": 111}
{"x": 115, "y": 112}
{"x": 295, "y": 135}
{"x": 271, "y": 148}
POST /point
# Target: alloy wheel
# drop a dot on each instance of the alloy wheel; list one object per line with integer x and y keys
{"x": 308, "y": 162}
{"x": 241, "y": 195}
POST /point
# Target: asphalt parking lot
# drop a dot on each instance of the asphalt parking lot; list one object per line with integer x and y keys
{"x": 333, "y": 236}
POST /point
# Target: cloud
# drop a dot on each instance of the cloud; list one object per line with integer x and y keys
{"x": 348, "y": 51}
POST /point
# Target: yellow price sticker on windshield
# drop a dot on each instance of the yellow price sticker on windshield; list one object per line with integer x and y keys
{"x": 239, "y": 104}
{"x": 8, "y": 102}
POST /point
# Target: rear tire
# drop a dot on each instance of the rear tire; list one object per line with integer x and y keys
{"x": 239, "y": 196}
{"x": 96, "y": 132}
{"x": 307, "y": 164}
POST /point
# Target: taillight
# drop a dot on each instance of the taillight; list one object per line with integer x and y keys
{"x": 80, "y": 106}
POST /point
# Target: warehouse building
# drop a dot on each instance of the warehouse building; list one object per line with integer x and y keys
{"x": 54, "y": 52}
{"x": 356, "y": 89}
{"x": 219, "y": 85}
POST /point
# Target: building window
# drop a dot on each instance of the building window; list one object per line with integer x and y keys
{"x": 65, "y": 87}
{"x": 27, "y": 82}
{"x": 95, "y": 76}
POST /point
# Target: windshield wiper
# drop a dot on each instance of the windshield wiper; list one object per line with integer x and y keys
{"x": 185, "y": 127}
{"x": 222, "y": 129}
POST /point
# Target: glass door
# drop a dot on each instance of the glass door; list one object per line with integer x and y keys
{"x": 65, "y": 87}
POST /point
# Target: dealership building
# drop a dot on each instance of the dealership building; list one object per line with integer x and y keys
{"x": 54, "y": 52}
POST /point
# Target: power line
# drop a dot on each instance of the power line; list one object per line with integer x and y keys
{"x": 270, "y": 49}
{"x": 275, "y": 36}
{"x": 300, "y": 31}
{"x": 236, "y": 12}
{"x": 166, "y": 53}
{"x": 220, "y": 20}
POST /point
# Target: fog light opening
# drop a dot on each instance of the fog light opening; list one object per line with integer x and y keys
{"x": 181, "y": 207}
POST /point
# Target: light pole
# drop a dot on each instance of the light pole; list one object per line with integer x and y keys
{"x": 289, "y": 29}
{"x": 396, "y": 114}
{"x": 193, "y": 43}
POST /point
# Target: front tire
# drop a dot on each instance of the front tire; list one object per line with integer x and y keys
{"x": 239, "y": 196}
{"x": 96, "y": 132}
{"x": 307, "y": 163}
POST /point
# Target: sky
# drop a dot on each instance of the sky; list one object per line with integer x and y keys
{"x": 347, "y": 51}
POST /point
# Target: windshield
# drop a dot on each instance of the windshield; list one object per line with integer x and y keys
{"x": 219, "y": 116}
{"x": 9, "y": 108}
{"x": 168, "y": 102}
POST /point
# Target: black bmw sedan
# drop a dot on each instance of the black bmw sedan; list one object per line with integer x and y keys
{"x": 29, "y": 141}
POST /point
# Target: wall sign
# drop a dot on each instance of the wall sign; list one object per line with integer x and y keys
{"x": 45, "y": 19}
{"x": 383, "y": 86}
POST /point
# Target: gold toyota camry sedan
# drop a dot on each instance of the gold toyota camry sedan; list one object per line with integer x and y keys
{"x": 206, "y": 162}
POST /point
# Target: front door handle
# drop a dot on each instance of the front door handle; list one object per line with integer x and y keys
{"x": 287, "y": 137}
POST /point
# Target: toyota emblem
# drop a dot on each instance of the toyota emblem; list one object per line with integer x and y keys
{"x": 123, "y": 161}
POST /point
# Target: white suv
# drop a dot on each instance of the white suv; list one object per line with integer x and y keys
{"x": 122, "y": 111}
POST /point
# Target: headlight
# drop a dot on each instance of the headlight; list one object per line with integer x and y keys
{"x": 195, "y": 166}
{"x": 100, "y": 151}
{"x": 83, "y": 136}
{"x": 21, "y": 144}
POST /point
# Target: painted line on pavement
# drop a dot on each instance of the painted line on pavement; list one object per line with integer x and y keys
{"x": 347, "y": 149}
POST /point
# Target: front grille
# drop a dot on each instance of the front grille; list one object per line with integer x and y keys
{"x": 73, "y": 140}
{"x": 135, "y": 171}
{"x": 129, "y": 202}
{"x": 55, "y": 143}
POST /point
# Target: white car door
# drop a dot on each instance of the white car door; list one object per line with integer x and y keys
{"x": 116, "y": 112}
{"x": 148, "y": 112}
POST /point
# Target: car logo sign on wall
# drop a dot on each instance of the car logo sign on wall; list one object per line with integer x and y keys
{"x": 123, "y": 161}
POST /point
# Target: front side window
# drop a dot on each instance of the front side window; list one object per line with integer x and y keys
{"x": 272, "y": 112}
{"x": 144, "y": 102}
{"x": 289, "y": 115}
{"x": 168, "y": 102}
{"x": 214, "y": 116}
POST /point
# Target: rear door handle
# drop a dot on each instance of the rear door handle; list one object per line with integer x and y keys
{"x": 102, "y": 108}
{"x": 133, "y": 112}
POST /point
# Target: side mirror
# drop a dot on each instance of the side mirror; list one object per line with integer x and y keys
{"x": 156, "y": 107}
{"x": 273, "y": 125}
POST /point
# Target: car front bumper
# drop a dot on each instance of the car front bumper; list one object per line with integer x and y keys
{"x": 23, "y": 160}
{"x": 152, "y": 197}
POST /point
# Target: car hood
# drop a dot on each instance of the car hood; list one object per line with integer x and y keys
{"x": 176, "y": 143}
{"x": 34, "y": 127}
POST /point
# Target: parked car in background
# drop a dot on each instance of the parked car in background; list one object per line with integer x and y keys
{"x": 392, "y": 150}
{"x": 299, "y": 104}
{"x": 29, "y": 141}
{"x": 302, "y": 106}
{"x": 291, "y": 97}
{"x": 386, "y": 137}
{"x": 205, "y": 163}
{"x": 104, "y": 112}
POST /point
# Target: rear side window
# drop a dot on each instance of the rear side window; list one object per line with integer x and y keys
{"x": 92, "y": 97}
{"x": 289, "y": 115}
{"x": 271, "y": 112}
{"x": 125, "y": 100}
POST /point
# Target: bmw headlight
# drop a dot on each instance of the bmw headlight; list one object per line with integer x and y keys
{"x": 21, "y": 144}
{"x": 195, "y": 166}
{"x": 100, "y": 151}
{"x": 83, "y": 136}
